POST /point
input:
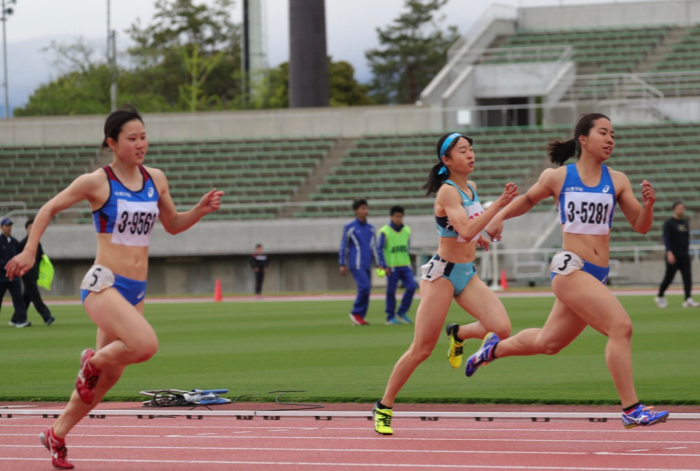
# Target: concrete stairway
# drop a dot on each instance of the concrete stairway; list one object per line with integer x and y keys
{"x": 662, "y": 50}
{"x": 324, "y": 169}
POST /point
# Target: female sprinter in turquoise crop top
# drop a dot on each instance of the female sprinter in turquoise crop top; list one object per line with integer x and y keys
{"x": 451, "y": 273}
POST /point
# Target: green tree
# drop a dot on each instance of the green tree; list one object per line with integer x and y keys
{"x": 74, "y": 93}
{"x": 82, "y": 87}
{"x": 165, "y": 53}
{"x": 345, "y": 90}
{"x": 411, "y": 52}
{"x": 198, "y": 67}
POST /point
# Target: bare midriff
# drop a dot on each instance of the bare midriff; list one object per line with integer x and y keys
{"x": 594, "y": 249}
{"x": 123, "y": 260}
{"x": 456, "y": 252}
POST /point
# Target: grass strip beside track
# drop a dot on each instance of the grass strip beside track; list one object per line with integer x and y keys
{"x": 257, "y": 347}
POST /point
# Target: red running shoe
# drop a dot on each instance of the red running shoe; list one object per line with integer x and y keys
{"x": 57, "y": 448}
{"x": 356, "y": 319}
{"x": 87, "y": 377}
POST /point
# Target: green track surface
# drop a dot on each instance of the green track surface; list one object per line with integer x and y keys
{"x": 258, "y": 347}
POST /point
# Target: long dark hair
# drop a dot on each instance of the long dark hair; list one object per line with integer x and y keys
{"x": 560, "y": 151}
{"x": 116, "y": 121}
{"x": 435, "y": 178}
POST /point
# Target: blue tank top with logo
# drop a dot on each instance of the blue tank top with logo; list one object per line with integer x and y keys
{"x": 586, "y": 209}
{"x": 128, "y": 215}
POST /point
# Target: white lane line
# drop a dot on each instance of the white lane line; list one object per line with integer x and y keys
{"x": 369, "y": 437}
{"x": 358, "y": 465}
{"x": 619, "y": 430}
{"x": 366, "y": 450}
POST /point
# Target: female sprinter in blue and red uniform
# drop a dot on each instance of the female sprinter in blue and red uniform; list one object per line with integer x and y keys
{"x": 587, "y": 192}
{"x": 451, "y": 273}
{"x": 126, "y": 199}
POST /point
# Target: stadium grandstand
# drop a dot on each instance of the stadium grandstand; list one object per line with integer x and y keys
{"x": 519, "y": 78}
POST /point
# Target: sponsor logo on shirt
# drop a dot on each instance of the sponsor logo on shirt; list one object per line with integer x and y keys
{"x": 606, "y": 188}
{"x": 573, "y": 188}
{"x": 122, "y": 193}
{"x": 150, "y": 192}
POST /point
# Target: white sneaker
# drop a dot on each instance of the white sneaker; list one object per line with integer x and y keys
{"x": 690, "y": 303}
{"x": 661, "y": 301}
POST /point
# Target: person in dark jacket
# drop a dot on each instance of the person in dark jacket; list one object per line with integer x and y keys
{"x": 677, "y": 241}
{"x": 9, "y": 247}
{"x": 31, "y": 290}
{"x": 258, "y": 262}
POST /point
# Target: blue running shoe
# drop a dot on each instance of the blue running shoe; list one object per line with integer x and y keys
{"x": 643, "y": 416}
{"x": 483, "y": 356}
{"x": 392, "y": 321}
{"x": 404, "y": 318}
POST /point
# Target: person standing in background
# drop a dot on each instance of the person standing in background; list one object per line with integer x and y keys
{"x": 394, "y": 242}
{"x": 9, "y": 247}
{"x": 677, "y": 241}
{"x": 357, "y": 249}
{"x": 31, "y": 290}
{"x": 258, "y": 262}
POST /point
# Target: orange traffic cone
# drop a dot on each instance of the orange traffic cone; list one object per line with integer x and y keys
{"x": 504, "y": 280}
{"x": 217, "y": 292}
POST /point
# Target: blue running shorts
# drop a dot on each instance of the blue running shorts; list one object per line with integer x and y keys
{"x": 459, "y": 274}
{"x": 99, "y": 278}
{"x": 565, "y": 263}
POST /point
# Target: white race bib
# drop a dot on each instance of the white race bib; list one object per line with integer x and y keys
{"x": 587, "y": 213}
{"x": 565, "y": 263}
{"x": 135, "y": 221}
{"x": 473, "y": 211}
{"x": 433, "y": 270}
{"x": 97, "y": 278}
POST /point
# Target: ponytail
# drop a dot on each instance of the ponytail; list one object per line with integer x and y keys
{"x": 435, "y": 180}
{"x": 560, "y": 151}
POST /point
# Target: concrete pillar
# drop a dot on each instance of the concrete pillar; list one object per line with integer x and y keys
{"x": 308, "y": 59}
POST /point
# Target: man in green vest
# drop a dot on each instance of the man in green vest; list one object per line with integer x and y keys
{"x": 393, "y": 245}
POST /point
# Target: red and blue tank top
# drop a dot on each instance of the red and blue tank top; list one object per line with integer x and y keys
{"x": 128, "y": 215}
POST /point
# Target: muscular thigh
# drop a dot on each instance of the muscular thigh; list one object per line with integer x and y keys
{"x": 561, "y": 328}
{"x": 436, "y": 297}
{"x": 482, "y": 303}
{"x": 116, "y": 318}
{"x": 592, "y": 301}
{"x": 104, "y": 339}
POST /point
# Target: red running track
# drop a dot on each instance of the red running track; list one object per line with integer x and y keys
{"x": 306, "y": 444}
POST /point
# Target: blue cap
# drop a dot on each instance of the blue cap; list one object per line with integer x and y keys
{"x": 6, "y": 222}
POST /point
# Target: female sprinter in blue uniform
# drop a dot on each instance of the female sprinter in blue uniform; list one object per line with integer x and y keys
{"x": 586, "y": 192}
{"x": 126, "y": 199}
{"x": 451, "y": 273}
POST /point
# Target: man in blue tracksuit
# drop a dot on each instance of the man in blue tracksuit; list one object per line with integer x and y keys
{"x": 358, "y": 248}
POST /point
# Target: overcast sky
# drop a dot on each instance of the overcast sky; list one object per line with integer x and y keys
{"x": 350, "y": 26}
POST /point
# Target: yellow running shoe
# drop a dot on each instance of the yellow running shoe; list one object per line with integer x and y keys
{"x": 454, "y": 353}
{"x": 382, "y": 420}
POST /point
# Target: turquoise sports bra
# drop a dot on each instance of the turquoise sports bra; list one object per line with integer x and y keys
{"x": 471, "y": 206}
